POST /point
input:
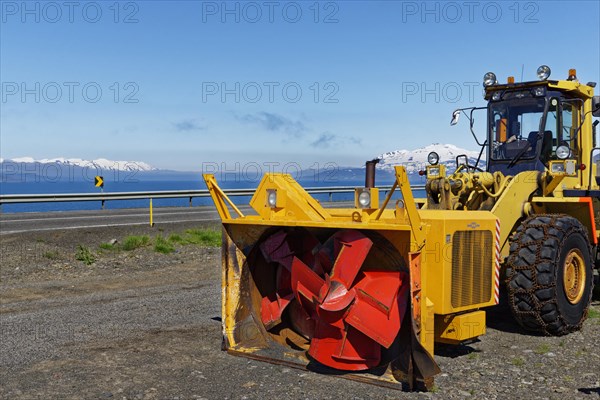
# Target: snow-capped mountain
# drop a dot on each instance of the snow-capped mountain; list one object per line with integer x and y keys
{"x": 416, "y": 160}
{"x": 98, "y": 164}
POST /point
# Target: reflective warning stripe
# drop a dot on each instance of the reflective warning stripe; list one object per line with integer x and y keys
{"x": 497, "y": 269}
{"x": 588, "y": 200}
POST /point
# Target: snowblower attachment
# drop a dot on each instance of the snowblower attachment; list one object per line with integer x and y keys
{"x": 338, "y": 291}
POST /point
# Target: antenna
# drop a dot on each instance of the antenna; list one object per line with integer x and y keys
{"x": 522, "y": 69}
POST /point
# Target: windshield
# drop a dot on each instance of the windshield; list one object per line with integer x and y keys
{"x": 514, "y": 127}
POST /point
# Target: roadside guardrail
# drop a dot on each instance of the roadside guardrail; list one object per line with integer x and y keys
{"x": 163, "y": 194}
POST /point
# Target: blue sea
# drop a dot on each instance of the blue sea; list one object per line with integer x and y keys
{"x": 188, "y": 183}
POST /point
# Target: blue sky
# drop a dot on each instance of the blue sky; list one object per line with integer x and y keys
{"x": 181, "y": 83}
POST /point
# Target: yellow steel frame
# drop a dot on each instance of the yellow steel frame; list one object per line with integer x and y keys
{"x": 509, "y": 208}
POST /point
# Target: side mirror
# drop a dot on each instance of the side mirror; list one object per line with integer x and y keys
{"x": 596, "y": 106}
{"x": 455, "y": 117}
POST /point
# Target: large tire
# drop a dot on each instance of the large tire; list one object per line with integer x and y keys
{"x": 536, "y": 279}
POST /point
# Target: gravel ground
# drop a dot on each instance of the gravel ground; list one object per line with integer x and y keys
{"x": 145, "y": 325}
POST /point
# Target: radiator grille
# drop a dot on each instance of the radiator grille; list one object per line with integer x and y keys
{"x": 471, "y": 267}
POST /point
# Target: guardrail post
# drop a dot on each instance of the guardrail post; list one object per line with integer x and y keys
{"x": 103, "y": 200}
{"x": 190, "y": 201}
{"x": 330, "y": 197}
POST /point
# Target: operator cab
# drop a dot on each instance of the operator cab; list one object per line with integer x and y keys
{"x": 525, "y": 129}
{"x": 531, "y": 124}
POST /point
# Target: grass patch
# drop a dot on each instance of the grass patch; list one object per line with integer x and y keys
{"x": 542, "y": 349}
{"x": 472, "y": 356}
{"x": 85, "y": 255}
{"x": 203, "y": 237}
{"x": 518, "y": 361}
{"x": 162, "y": 245}
{"x": 51, "y": 255}
{"x": 175, "y": 238}
{"x": 593, "y": 313}
{"x": 108, "y": 246}
{"x": 134, "y": 242}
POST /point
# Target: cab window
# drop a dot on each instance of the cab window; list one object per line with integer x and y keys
{"x": 564, "y": 116}
{"x": 515, "y": 127}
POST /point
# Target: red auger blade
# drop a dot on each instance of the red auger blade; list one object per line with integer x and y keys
{"x": 281, "y": 247}
{"x": 301, "y": 321}
{"x": 276, "y": 249}
{"x": 351, "y": 248}
{"x": 349, "y": 315}
{"x": 381, "y": 302}
{"x": 273, "y": 304}
{"x": 272, "y": 307}
{"x": 306, "y": 284}
{"x": 343, "y": 348}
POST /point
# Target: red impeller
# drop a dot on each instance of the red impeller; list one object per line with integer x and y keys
{"x": 349, "y": 313}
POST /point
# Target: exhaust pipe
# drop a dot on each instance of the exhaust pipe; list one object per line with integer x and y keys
{"x": 370, "y": 173}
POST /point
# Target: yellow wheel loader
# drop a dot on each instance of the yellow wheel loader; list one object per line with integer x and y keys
{"x": 366, "y": 292}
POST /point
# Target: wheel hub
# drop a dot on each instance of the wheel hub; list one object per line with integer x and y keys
{"x": 574, "y": 276}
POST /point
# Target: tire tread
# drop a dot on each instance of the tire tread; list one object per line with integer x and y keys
{"x": 531, "y": 269}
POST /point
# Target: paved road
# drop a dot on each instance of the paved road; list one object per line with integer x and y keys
{"x": 49, "y": 221}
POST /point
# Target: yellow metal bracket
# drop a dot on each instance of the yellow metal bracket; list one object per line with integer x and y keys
{"x": 386, "y": 201}
{"x": 418, "y": 231}
{"x": 220, "y": 198}
{"x": 550, "y": 186}
{"x": 294, "y": 203}
{"x": 418, "y": 316}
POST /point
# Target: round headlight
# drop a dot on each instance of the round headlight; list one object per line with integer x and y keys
{"x": 433, "y": 158}
{"x": 364, "y": 199}
{"x": 496, "y": 96}
{"x": 563, "y": 152}
{"x": 543, "y": 72}
{"x": 489, "y": 79}
{"x": 272, "y": 198}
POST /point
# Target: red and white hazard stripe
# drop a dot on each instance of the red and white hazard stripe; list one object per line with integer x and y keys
{"x": 497, "y": 269}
